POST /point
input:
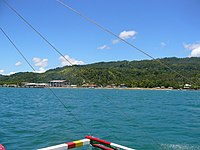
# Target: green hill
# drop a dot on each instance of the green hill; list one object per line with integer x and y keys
{"x": 145, "y": 73}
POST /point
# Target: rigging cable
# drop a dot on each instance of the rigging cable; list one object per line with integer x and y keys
{"x": 92, "y": 21}
{"x": 128, "y": 43}
{"x": 98, "y": 25}
{"x": 69, "y": 111}
{"x": 45, "y": 39}
{"x": 73, "y": 115}
{"x": 48, "y": 42}
{"x": 125, "y": 41}
{"x": 34, "y": 29}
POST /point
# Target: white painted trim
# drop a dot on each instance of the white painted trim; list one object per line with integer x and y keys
{"x": 121, "y": 147}
{"x": 56, "y": 147}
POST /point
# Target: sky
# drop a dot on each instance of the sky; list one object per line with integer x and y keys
{"x": 162, "y": 28}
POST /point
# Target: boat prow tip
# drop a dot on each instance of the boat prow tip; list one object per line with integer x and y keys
{"x": 2, "y": 147}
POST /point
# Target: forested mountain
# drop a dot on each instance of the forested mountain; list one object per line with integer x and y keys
{"x": 144, "y": 73}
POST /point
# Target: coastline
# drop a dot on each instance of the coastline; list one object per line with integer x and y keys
{"x": 107, "y": 88}
{"x": 118, "y": 88}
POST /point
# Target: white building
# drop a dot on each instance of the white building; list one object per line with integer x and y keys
{"x": 187, "y": 86}
{"x": 36, "y": 85}
{"x": 58, "y": 83}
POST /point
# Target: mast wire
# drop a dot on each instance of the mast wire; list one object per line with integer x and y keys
{"x": 121, "y": 39}
{"x": 34, "y": 29}
{"x": 17, "y": 49}
{"x": 56, "y": 49}
{"x": 69, "y": 111}
{"x": 44, "y": 38}
{"x": 128, "y": 43}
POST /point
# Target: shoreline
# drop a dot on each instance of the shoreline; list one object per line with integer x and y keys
{"x": 106, "y": 88}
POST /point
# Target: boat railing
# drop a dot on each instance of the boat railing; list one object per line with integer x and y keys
{"x": 89, "y": 140}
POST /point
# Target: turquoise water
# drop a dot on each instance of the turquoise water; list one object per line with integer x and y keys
{"x": 144, "y": 120}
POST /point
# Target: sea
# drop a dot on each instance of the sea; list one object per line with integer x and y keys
{"x": 33, "y": 118}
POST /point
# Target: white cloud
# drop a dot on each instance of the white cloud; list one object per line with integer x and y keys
{"x": 40, "y": 62}
{"x": 195, "y": 49}
{"x": 115, "y": 41}
{"x": 163, "y": 44}
{"x": 18, "y": 63}
{"x": 125, "y": 35}
{"x": 1, "y": 71}
{"x": 41, "y": 70}
{"x": 11, "y": 73}
{"x": 191, "y": 46}
{"x": 103, "y": 47}
{"x": 195, "y": 52}
{"x": 7, "y": 74}
{"x": 72, "y": 61}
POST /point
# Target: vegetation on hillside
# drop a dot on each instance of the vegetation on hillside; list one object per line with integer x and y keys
{"x": 145, "y": 73}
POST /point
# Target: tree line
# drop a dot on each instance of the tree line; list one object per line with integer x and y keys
{"x": 144, "y": 73}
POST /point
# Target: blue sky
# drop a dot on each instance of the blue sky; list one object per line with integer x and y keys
{"x": 162, "y": 28}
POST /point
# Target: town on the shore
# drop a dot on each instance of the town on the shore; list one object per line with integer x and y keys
{"x": 66, "y": 84}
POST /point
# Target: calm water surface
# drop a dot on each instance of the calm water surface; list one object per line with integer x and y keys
{"x": 144, "y": 120}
